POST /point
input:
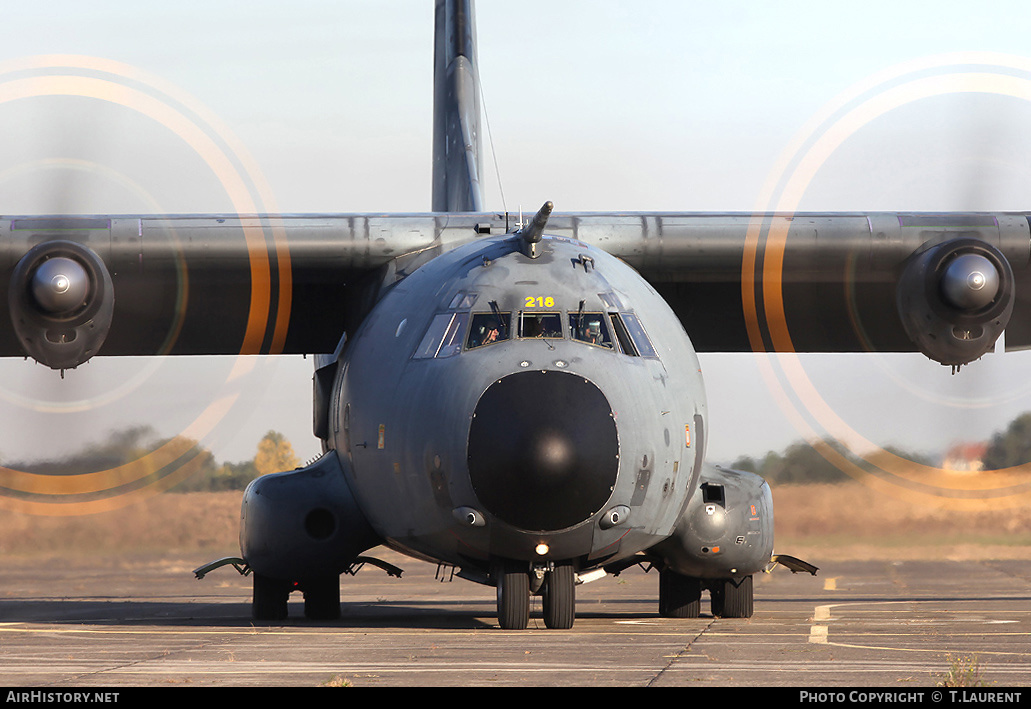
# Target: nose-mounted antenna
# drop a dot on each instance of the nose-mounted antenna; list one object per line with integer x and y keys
{"x": 532, "y": 233}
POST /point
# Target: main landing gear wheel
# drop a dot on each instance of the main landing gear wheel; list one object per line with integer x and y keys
{"x": 513, "y": 585}
{"x": 322, "y": 598}
{"x": 559, "y": 597}
{"x": 270, "y": 598}
{"x": 679, "y": 596}
{"x": 732, "y": 599}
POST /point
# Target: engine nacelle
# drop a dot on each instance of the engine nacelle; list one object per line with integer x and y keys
{"x": 61, "y": 301}
{"x": 955, "y": 299}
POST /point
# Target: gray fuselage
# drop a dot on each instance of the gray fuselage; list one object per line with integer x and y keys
{"x": 492, "y": 402}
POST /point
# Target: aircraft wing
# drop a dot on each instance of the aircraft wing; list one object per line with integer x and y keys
{"x": 863, "y": 282}
{"x": 230, "y": 284}
{"x": 213, "y": 284}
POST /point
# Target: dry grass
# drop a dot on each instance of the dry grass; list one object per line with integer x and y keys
{"x": 846, "y": 521}
{"x": 854, "y": 521}
{"x": 180, "y": 523}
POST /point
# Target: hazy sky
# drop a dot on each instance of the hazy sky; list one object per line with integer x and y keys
{"x": 599, "y": 105}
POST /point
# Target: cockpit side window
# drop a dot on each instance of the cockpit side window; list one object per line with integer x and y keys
{"x": 626, "y": 345}
{"x": 452, "y": 343}
{"x": 444, "y": 336}
{"x": 631, "y": 336}
{"x": 488, "y": 328}
{"x": 638, "y": 335}
{"x": 540, "y": 325}
{"x": 590, "y": 328}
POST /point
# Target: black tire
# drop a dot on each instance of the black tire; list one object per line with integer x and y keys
{"x": 679, "y": 596}
{"x": 513, "y": 586}
{"x": 732, "y": 599}
{"x": 559, "y": 597}
{"x": 270, "y": 598}
{"x": 322, "y": 598}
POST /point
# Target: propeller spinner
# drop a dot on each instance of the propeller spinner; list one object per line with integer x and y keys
{"x": 61, "y": 301}
{"x": 60, "y": 286}
{"x": 970, "y": 282}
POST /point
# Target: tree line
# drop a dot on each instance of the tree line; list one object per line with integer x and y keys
{"x": 800, "y": 462}
{"x": 274, "y": 454}
{"x": 804, "y": 462}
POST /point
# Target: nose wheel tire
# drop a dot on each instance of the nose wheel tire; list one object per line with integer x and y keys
{"x": 559, "y": 597}
{"x": 679, "y": 596}
{"x": 513, "y": 585}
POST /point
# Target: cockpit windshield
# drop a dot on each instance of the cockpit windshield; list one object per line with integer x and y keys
{"x": 619, "y": 332}
{"x": 488, "y": 328}
{"x": 590, "y": 328}
{"x": 540, "y": 325}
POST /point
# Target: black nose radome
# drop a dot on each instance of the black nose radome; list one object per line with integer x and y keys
{"x": 543, "y": 450}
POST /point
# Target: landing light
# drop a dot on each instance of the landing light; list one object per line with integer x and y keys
{"x": 542, "y": 549}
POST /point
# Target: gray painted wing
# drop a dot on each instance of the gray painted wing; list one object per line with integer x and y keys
{"x": 210, "y": 284}
{"x": 802, "y": 282}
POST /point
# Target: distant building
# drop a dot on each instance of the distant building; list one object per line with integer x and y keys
{"x": 965, "y": 457}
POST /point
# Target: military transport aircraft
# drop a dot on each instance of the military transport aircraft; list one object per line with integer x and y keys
{"x": 516, "y": 397}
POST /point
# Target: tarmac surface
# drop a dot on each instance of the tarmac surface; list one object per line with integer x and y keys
{"x": 901, "y": 624}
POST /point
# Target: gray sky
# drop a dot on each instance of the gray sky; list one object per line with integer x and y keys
{"x": 661, "y": 105}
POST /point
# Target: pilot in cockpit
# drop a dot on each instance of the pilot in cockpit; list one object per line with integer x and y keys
{"x": 593, "y": 333}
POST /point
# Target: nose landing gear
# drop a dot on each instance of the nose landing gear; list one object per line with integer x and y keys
{"x": 517, "y": 581}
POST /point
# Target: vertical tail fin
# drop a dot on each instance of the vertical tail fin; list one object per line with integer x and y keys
{"x": 456, "y": 110}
